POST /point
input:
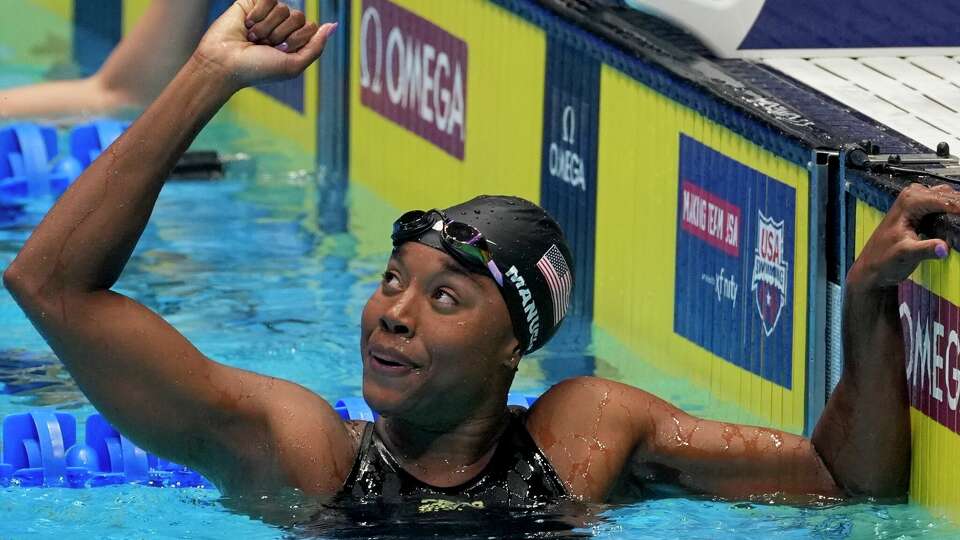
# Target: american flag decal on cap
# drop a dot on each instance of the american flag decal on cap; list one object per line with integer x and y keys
{"x": 554, "y": 268}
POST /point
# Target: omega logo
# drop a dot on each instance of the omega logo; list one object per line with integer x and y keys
{"x": 371, "y": 16}
{"x": 569, "y": 125}
{"x": 421, "y": 67}
{"x": 566, "y": 164}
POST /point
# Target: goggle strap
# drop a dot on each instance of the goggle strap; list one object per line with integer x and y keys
{"x": 495, "y": 272}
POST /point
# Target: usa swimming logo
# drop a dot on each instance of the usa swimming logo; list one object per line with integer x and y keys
{"x": 769, "y": 282}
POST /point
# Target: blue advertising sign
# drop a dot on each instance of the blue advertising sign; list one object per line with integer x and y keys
{"x": 568, "y": 170}
{"x": 734, "y": 266}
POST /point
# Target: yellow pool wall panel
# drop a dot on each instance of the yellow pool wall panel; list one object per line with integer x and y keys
{"x": 636, "y": 245}
{"x": 934, "y": 476}
{"x": 63, "y": 8}
{"x": 132, "y": 11}
{"x": 46, "y": 40}
{"x": 503, "y": 120}
{"x": 257, "y": 111}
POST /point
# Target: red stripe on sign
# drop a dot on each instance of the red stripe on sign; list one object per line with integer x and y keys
{"x": 931, "y": 338}
{"x": 710, "y": 218}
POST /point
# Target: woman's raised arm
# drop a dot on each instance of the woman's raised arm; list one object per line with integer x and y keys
{"x": 136, "y": 369}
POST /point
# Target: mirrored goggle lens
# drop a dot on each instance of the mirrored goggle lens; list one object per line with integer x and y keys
{"x": 410, "y": 222}
{"x": 472, "y": 247}
{"x": 461, "y": 232}
{"x": 468, "y": 241}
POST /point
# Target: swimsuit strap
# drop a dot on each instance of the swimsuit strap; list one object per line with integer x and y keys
{"x": 362, "y": 461}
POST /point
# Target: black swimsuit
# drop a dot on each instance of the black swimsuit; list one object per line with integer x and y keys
{"x": 517, "y": 476}
{"x": 517, "y": 495}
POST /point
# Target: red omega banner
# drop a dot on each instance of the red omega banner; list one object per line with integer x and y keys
{"x": 931, "y": 337}
{"x": 414, "y": 73}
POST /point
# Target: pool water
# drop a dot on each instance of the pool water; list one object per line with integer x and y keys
{"x": 244, "y": 269}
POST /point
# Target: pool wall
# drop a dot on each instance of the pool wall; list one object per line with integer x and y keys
{"x": 698, "y": 230}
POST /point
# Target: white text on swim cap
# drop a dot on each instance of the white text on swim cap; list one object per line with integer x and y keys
{"x": 529, "y": 306}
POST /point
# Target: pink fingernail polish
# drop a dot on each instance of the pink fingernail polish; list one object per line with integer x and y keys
{"x": 333, "y": 29}
{"x": 251, "y": 36}
{"x": 248, "y": 23}
{"x": 282, "y": 47}
{"x": 941, "y": 250}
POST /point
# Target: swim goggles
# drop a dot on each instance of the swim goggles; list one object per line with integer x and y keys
{"x": 464, "y": 242}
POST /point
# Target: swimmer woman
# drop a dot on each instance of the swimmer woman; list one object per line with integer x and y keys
{"x": 441, "y": 339}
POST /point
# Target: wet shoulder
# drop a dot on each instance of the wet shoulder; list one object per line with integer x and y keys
{"x": 588, "y": 428}
{"x": 315, "y": 447}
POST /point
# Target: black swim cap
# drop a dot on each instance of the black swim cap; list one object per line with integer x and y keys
{"x": 531, "y": 252}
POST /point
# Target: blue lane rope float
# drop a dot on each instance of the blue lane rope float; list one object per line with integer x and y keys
{"x": 32, "y": 167}
{"x": 41, "y": 449}
{"x": 88, "y": 141}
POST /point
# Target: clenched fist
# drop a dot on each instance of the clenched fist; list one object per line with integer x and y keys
{"x": 256, "y": 41}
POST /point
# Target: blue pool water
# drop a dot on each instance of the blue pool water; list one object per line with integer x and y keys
{"x": 241, "y": 267}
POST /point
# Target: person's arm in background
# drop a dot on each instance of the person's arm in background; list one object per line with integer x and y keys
{"x": 243, "y": 430}
{"x": 133, "y": 75}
